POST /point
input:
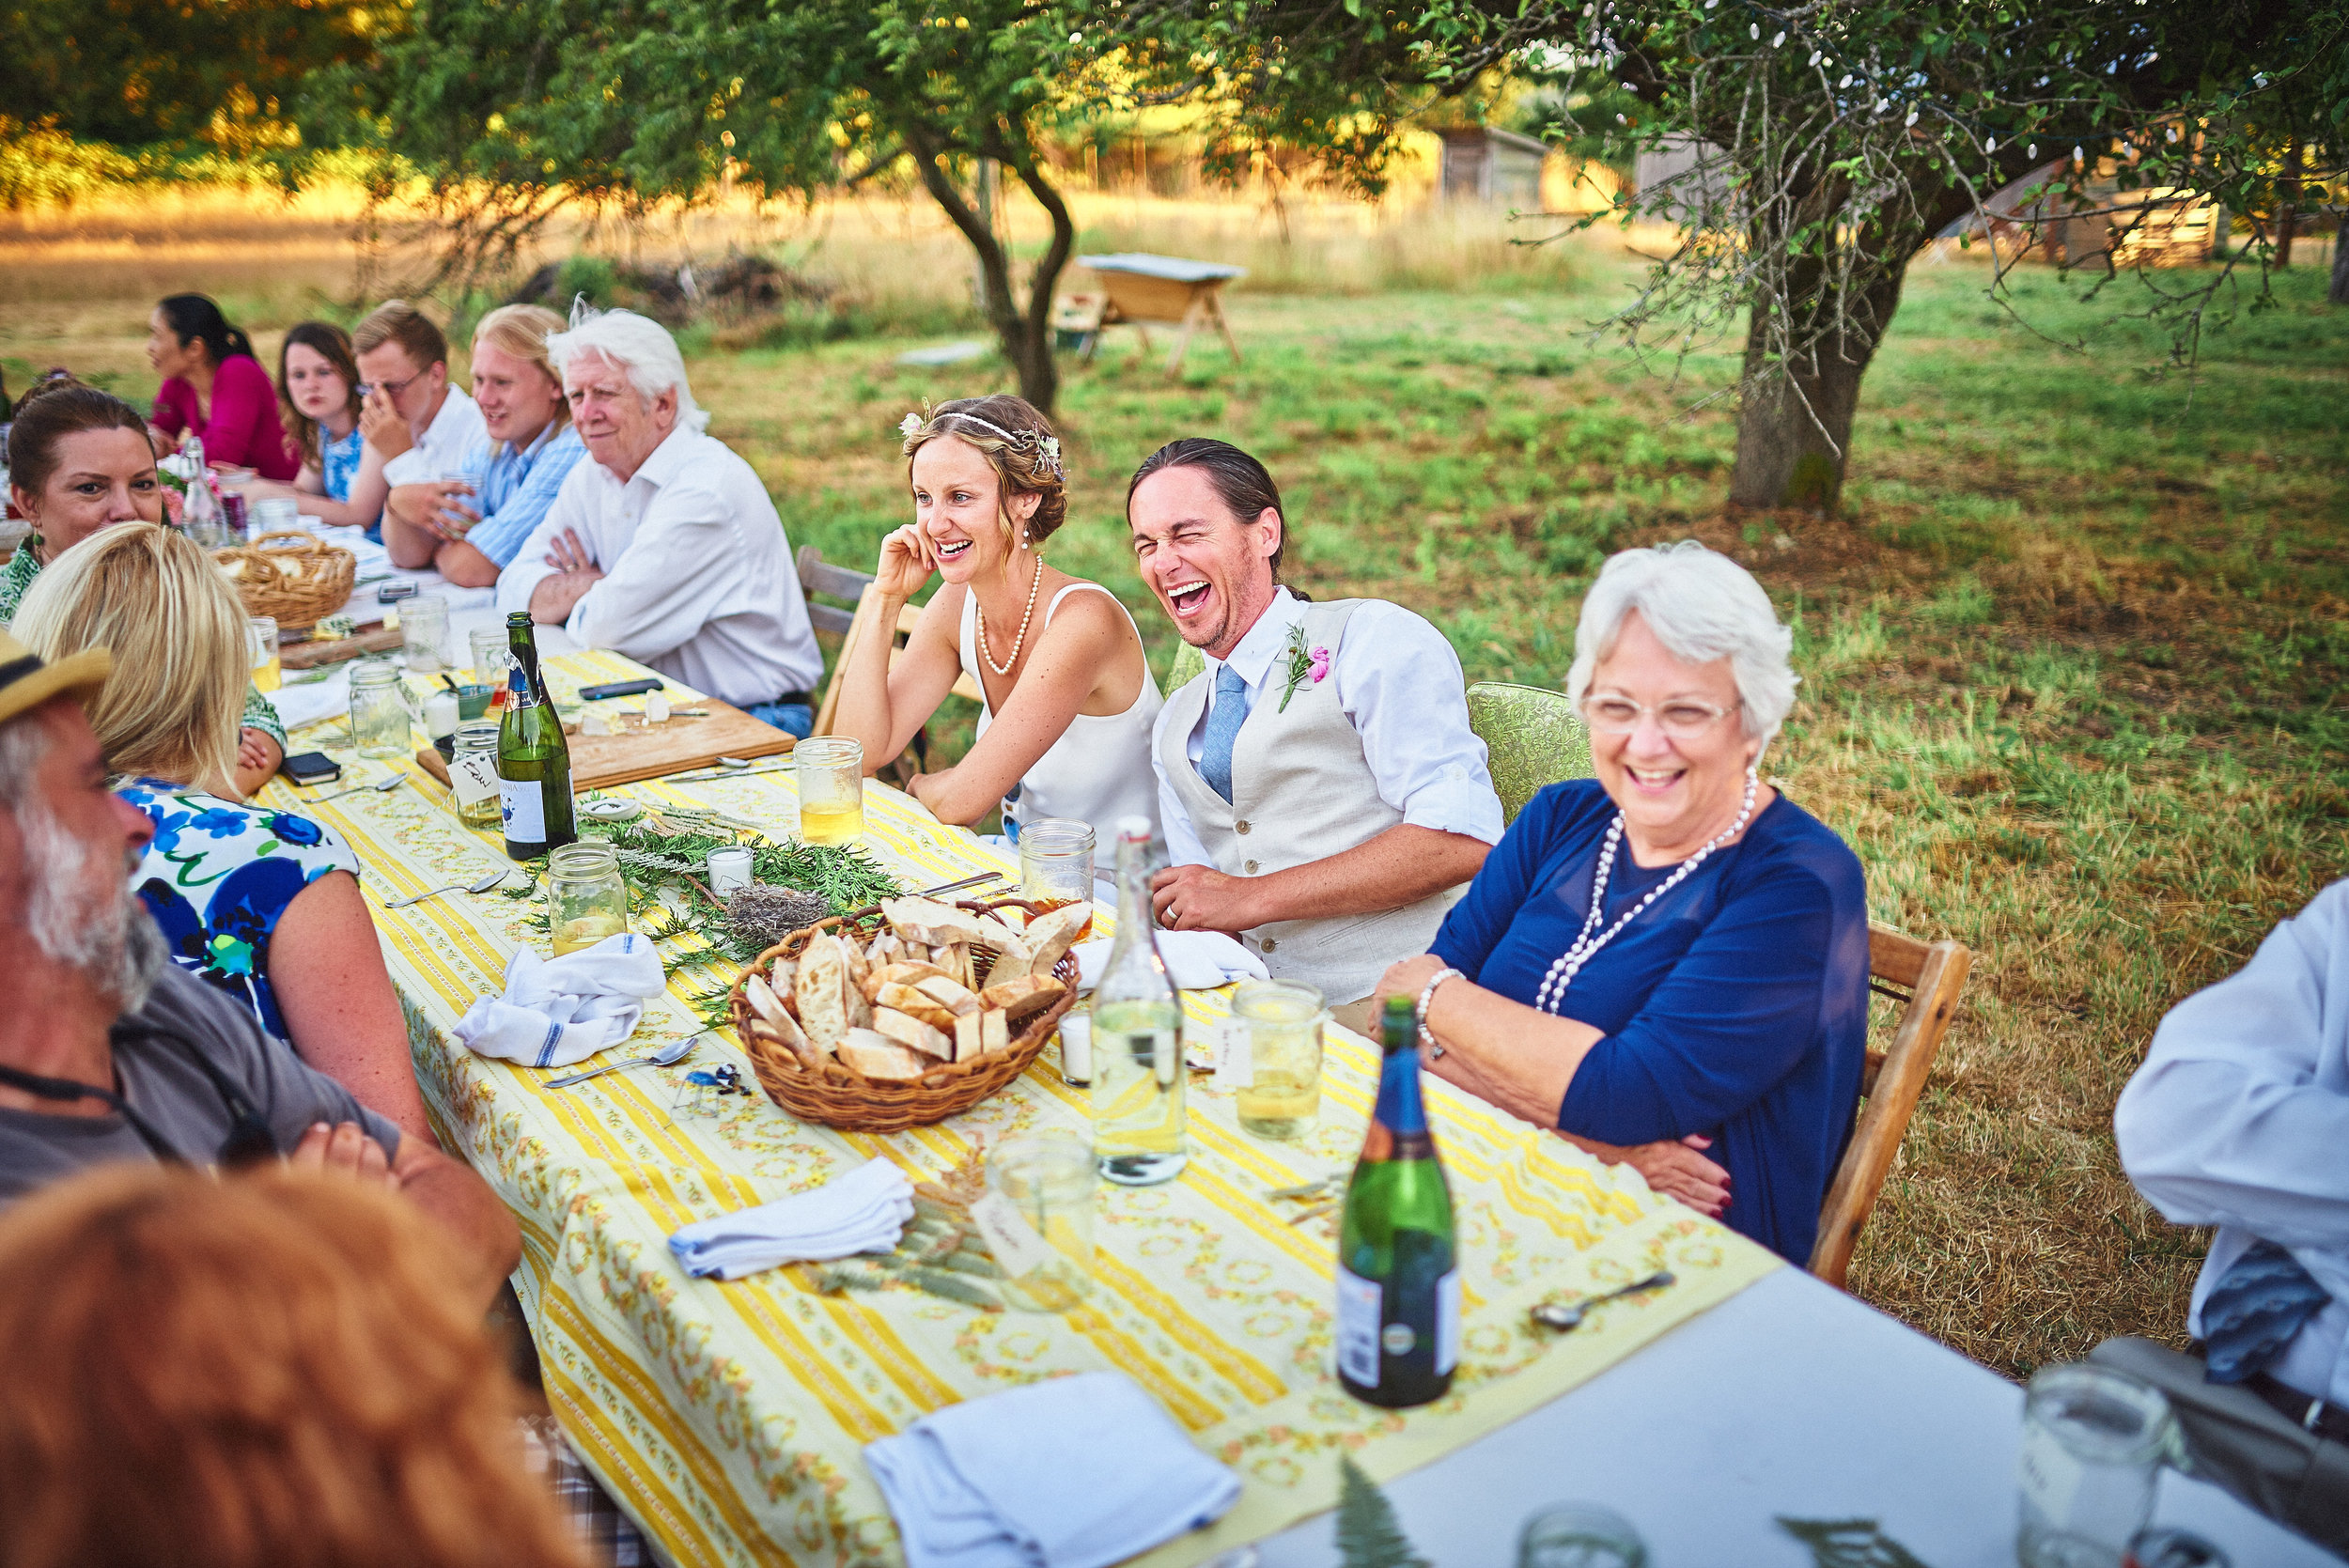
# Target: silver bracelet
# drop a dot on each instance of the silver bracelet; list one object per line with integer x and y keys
{"x": 1427, "y": 993}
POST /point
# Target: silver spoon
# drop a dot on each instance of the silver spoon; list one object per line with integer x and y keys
{"x": 482, "y": 886}
{"x": 1566, "y": 1319}
{"x": 381, "y": 786}
{"x": 666, "y": 1056}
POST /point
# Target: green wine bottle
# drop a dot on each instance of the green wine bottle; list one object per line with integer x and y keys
{"x": 1398, "y": 1270}
{"x": 533, "y": 760}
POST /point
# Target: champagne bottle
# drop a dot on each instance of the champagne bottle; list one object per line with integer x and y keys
{"x": 1138, "y": 1071}
{"x": 533, "y": 760}
{"x": 1398, "y": 1273}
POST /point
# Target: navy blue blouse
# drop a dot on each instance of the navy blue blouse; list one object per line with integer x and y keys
{"x": 1736, "y": 1007}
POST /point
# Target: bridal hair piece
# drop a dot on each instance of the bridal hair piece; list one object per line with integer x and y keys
{"x": 1018, "y": 442}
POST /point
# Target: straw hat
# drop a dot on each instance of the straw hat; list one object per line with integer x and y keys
{"x": 26, "y": 681}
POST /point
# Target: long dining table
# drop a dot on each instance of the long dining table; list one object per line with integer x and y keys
{"x": 728, "y": 1418}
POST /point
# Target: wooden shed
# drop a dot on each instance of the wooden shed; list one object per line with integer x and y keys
{"x": 1484, "y": 162}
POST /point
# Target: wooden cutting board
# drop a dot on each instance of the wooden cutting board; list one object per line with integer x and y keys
{"x": 653, "y": 750}
{"x": 309, "y": 655}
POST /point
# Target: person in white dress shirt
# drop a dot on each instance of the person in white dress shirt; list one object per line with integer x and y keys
{"x": 1068, "y": 699}
{"x": 2240, "y": 1119}
{"x": 410, "y": 411}
{"x": 1322, "y": 794}
{"x": 664, "y": 546}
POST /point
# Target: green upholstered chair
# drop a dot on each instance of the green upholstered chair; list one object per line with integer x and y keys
{"x": 1189, "y": 665}
{"x": 1534, "y": 736}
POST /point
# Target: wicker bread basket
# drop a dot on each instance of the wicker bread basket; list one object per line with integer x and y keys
{"x": 290, "y": 576}
{"x": 837, "y": 1095}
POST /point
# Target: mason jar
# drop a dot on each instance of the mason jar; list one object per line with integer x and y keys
{"x": 378, "y": 709}
{"x": 1056, "y": 865}
{"x": 586, "y": 898}
{"x": 473, "y": 774}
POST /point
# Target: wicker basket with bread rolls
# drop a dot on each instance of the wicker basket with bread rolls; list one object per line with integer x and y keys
{"x": 907, "y": 1013}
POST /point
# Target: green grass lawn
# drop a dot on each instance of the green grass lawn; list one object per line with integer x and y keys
{"x": 2075, "y": 657}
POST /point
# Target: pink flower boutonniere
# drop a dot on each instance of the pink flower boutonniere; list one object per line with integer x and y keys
{"x": 1304, "y": 664}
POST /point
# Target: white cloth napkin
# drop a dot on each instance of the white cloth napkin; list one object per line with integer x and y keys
{"x": 865, "y": 1211}
{"x": 558, "y": 1011}
{"x": 313, "y": 700}
{"x": 1076, "y": 1472}
{"x": 1195, "y": 960}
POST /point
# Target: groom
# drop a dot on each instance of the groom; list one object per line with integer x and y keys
{"x": 1322, "y": 792}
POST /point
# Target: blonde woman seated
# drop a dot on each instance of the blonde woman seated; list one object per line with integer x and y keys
{"x": 1070, "y": 699}
{"x": 1669, "y": 963}
{"x": 262, "y": 904}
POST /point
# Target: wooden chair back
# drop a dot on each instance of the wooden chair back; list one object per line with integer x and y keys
{"x": 819, "y": 576}
{"x": 1924, "y": 979}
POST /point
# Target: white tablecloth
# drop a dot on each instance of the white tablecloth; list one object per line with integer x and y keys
{"x": 1791, "y": 1398}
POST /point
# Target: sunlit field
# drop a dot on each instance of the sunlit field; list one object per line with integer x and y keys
{"x": 2076, "y": 655}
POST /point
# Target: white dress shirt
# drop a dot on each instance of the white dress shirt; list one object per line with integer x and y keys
{"x": 455, "y": 428}
{"x": 697, "y": 575}
{"x": 2240, "y": 1119}
{"x": 1400, "y": 683}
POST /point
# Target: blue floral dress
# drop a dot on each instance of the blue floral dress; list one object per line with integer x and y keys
{"x": 217, "y": 877}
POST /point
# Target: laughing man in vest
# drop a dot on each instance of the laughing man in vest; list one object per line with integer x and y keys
{"x": 1323, "y": 796}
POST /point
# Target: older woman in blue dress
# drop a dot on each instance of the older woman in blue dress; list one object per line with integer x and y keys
{"x": 1668, "y": 963}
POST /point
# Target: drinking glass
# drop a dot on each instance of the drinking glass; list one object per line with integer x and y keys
{"x": 458, "y": 522}
{"x": 1037, "y": 1218}
{"x": 2093, "y": 1442}
{"x": 473, "y": 772}
{"x": 378, "y": 709}
{"x": 831, "y": 772}
{"x": 1580, "y": 1536}
{"x": 492, "y": 662}
{"x": 275, "y": 516}
{"x": 1282, "y": 1095}
{"x": 424, "y": 632}
{"x": 1056, "y": 865}
{"x": 586, "y": 899}
{"x": 261, "y": 647}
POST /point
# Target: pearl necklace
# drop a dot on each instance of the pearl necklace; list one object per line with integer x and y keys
{"x": 987, "y": 653}
{"x": 1553, "y": 990}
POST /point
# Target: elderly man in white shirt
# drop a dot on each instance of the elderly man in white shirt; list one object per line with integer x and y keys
{"x": 2240, "y": 1119}
{"x": 665, "y": 546}
{"x": 1323, "y": 796}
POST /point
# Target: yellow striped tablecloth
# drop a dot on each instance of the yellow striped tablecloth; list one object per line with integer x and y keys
{"x": 728, "y": 1419}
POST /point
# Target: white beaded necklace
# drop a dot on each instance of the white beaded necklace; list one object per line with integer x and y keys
{"x": 987, "y": 653}
{"x": 1553, "y": 991}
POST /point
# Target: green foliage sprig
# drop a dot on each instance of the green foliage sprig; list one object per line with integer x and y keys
{"x": 1369, "y": 1535}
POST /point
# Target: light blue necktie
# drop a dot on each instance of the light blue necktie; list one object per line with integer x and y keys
{"x": 1223, "y": 723}
{"x": 2250, "y": 1316}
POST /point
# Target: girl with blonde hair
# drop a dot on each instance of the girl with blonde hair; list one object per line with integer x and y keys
{"x": 270, "y": 1370}
{"x": 469, "y": 530}
{"x": 1067, "y": 697}
{"x": 262, "y": 904}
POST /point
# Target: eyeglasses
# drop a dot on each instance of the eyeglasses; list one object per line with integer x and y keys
{"x": 1683, "y": 718}
{"x": 391, "y": 389}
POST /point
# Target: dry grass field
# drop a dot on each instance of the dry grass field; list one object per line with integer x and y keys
{"x": 2076, "y": 655}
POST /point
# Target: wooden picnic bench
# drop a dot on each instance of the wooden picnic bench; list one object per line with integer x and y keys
{"x": 1137, "y": 288}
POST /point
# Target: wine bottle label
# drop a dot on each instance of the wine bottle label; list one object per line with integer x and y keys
{"x": 1361, "y": 1304}
{"x": 522, "y": 804}
{"x": 1009, "y": 1237}
{"x": 1448, "y": 1321}
{"x": 474, "y": 778}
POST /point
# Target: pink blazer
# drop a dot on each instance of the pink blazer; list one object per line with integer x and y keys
{"x": 243, "y": 432}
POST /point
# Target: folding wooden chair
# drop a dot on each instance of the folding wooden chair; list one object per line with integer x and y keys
{"x": 819, "y": 576}
{"x": 1924, "y": 978}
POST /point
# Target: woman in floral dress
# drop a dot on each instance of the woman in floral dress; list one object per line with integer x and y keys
{"x": 262, "y": 904}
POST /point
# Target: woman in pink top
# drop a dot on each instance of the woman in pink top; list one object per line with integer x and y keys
{"x": 215, "y": 388}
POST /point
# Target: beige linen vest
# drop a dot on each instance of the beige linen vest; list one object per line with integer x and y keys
{"x": 1301, "y": 791}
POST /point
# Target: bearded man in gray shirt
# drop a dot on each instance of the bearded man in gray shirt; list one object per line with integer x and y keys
{"x": 108, "y": 1052}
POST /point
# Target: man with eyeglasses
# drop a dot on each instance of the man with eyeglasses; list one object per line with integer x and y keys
{"x": 412, "y": 413}
{"x": 1322, "y": 794}
{"x": 108, "y": 1051}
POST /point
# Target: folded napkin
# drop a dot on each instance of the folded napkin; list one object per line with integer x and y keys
{"x": 1195, "y": 960}
{"x": 558, "y": 1011}
{"x": 865, "y": 1211}
{"x": 1076, "y": 1472}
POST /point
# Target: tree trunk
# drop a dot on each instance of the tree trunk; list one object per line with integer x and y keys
{"x": 1025, "y": 335}
{"x": 2288, "y": 204}
{"x": 2339, "y": 293}
{"x": 1794, "y": 422}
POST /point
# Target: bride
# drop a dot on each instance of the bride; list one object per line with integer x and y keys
{"x": 1069, "y": 698}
